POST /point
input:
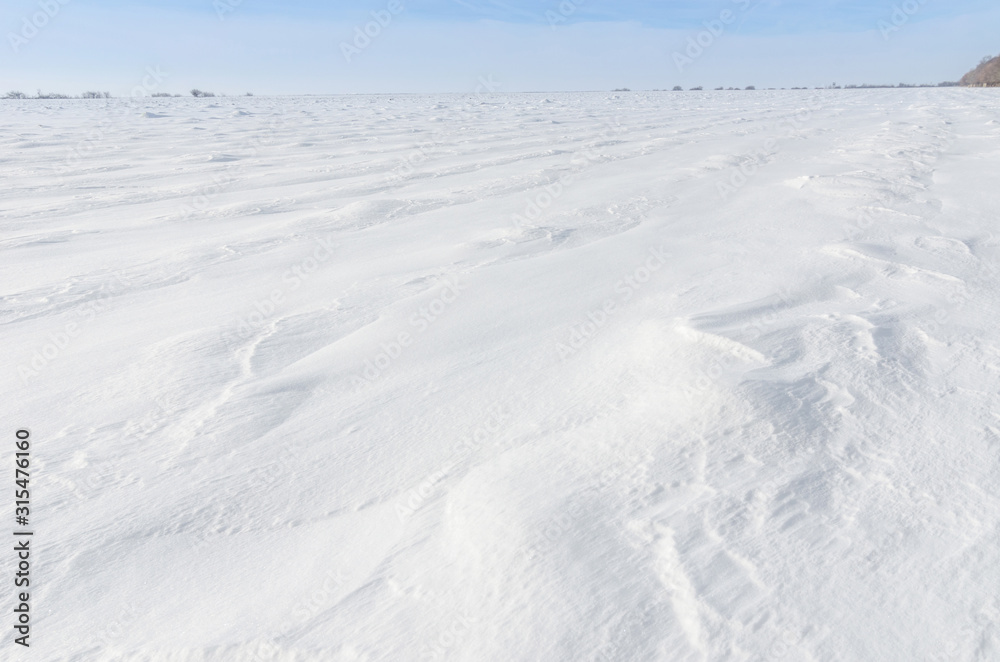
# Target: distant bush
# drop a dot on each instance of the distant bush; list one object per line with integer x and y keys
{"x": 697, "y": 89}
{"x": 15, "y": 95}
{"x": 678, "y": 88}
{"x": 622, "y": 89}
{"x": 161, "y": 94}
{"x": 95, "y": 95}
{"x": 200, "y": 94}
{"x": 51, "y": 95}
{"x": 751, "y": 87}
{"x": 249, "y": 94}
{"x": 719, "y": 88}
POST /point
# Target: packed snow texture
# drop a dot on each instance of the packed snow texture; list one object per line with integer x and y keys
{"x": 540, "y": 377}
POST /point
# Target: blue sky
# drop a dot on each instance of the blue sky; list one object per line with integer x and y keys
{"x": 295, "y": 46}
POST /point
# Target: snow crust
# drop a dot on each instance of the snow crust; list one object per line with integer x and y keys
{"x": 563, "y": 377}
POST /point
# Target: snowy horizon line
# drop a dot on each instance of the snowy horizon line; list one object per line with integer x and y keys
{"x": 91, "y": 96}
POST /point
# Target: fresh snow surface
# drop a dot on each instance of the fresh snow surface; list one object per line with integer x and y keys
{"x": 781, "y": 443}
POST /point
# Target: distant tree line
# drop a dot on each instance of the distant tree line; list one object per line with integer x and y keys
{"x": 100, "y": 95}
{"x": 699, "y": 88}
{"x": 55, "y": 95}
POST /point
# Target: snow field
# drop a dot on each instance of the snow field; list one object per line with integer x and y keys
{"x": 700, "y": 376}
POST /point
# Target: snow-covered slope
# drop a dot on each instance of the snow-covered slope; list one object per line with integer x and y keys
{"x": 630, "y": 377}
